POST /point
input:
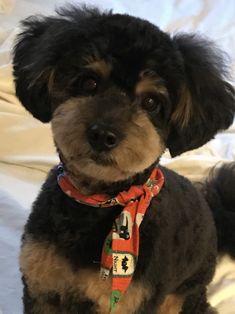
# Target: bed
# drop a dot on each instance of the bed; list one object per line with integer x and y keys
{"x": 26, "y": 147}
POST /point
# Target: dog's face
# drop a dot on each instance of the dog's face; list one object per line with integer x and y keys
{"x": 118, "y": 91}
{"x": 113, "y": 123}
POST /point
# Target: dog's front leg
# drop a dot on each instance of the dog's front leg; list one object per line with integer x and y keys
{"x": 52, "y": 304}
{"x": 37, "y": 305}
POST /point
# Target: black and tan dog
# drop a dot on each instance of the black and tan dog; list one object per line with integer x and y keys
{"x": 118, "y": 91}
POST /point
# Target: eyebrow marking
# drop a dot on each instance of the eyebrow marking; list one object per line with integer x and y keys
{"x": 101, "y": 66}
{"x": 150, "y": 82}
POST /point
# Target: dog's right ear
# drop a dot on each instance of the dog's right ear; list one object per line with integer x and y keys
{"x": 33, "y": 67}
{"x": 36, "y": 54}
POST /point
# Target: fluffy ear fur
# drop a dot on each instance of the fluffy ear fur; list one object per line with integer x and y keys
{"x": 36, "y": 54}
{"x": 206, "y": 102}
{"x": 32, "y": 68}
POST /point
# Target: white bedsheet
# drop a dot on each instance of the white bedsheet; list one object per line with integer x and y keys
{"x": 27, "y": 151}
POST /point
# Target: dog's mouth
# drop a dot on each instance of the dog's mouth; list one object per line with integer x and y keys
{"x": 107, "y": 166}
{"x": 103, "y": 159}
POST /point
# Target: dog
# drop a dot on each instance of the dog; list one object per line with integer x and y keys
{"x": 113, "y": 231}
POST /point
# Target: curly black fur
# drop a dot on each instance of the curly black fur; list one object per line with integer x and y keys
{"x": 219, "y": 193}
{"x": 178, "y": 241}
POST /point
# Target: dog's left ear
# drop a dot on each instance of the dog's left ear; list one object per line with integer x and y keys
{"x": 206, "y": 101}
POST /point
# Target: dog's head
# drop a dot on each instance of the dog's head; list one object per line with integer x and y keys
{"x": 118, "y": 90}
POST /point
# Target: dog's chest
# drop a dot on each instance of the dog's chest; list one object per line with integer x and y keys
{"x": 46, "y": 272}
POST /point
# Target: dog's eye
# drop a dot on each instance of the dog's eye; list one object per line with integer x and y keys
{"x": 84, "y": 85}
{"x": 88, "y": 85}
{"x": 151, "y": 104}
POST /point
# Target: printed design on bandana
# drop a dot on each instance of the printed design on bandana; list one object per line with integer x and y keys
{"x": 111, "y": 202}
{"x": 104, "y": 273}
{"x": 115, "y": 297}
{"x": 123, "y": 264}
{"x": 121, "y": 246}
{"x": 107, "y": 247}
{"x": 123, "y": 226}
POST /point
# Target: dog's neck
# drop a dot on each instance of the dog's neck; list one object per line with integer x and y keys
{"x": 89, "y": 186}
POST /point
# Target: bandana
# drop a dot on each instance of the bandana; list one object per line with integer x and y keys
{"x": 121, "y": 247}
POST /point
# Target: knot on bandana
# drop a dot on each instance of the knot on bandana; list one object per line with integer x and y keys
{"x": 121, "y": 247}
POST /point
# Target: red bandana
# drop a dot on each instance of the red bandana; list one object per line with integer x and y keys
{"x": 121, "y": 247}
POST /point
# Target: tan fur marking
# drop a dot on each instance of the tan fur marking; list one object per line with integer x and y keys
{"x": 181, "y": 116}
{"x": 140, "y": 148}
{"x": 46, "y": 271}
{"x": 150, "y": 82}
{"x": 151, "y": 85}
{"x": 171, "y": 305}
{"x": 51, "y": 79}
{"x": 133, "y": 298}
{"x": 100, "y": 66}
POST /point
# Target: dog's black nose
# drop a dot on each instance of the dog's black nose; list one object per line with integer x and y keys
{"x": 102, "y": 137}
